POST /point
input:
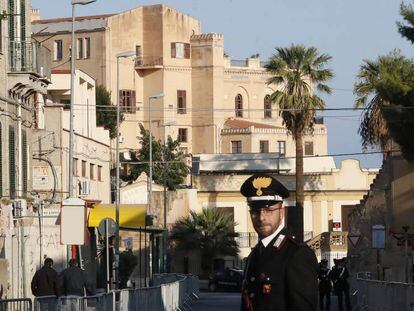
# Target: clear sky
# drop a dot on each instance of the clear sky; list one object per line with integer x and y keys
{"x": 348, "y": 30}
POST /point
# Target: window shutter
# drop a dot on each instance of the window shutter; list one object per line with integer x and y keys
{"x": 173, "y": 50}
{"x": 12, "y": 163}
{"x": 184, "y": 96}
{"x": 187, "y": 50}
{"x": 133, "y": 102}
{"x": 121, "y": 99}
{"x": 24, "y": 163}
{"x": 1, "y": 161}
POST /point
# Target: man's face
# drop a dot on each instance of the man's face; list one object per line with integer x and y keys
{"x": 266, "y": 220}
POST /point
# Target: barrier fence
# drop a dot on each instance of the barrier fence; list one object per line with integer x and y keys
{"x": 168, "y": 292}
{"x": 376, "y": 295}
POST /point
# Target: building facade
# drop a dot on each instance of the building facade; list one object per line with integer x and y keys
{"x": 205, "y": 92}
{"x": 91, "y": 166}
{"x": 328, "y": 193}
{"x": 24, "y": 77}
{"x": 389, "y": 204}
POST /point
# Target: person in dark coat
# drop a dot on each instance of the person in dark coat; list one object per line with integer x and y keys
{"x": 73, "y": 280}
{"x": 281, "y": 274}
{"x": 325, "y": 285}
{"x": 44, "y": 280}
{"x": 339, "y": 276}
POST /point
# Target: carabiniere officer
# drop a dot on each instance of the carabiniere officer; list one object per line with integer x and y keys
{"x": 281, "y": 274}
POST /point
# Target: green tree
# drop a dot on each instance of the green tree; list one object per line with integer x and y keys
{"x": 386, "y": 88}
{"x": 298, "y": 69}
{"x": 211, "y": 233}
{"x": 406, "y": 29}
{"x": 177, "y": 170}
{"x": 105, "y": 111}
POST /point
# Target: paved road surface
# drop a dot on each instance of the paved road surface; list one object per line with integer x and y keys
{"x": 217, "y": 302}
{"x": 229, "y": 302}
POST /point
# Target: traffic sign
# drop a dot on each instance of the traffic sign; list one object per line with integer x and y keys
{"x": 110, "y": 230}
{"x": 354, "y": 239}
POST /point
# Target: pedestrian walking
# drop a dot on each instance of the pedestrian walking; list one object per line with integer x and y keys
{"x": 281, "y": 274}
{"x": 44, "y": 282}
{"x": 73, "y": 280}
{"x": 325, "y": 286}
{"x": 339, "y": 275}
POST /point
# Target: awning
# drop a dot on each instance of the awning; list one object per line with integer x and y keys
{"x": 130, "y": 215}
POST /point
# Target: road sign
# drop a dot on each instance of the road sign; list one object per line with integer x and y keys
{"x": 354, "y": 239}
{"x": 378, "y": 237}
{"x": 111, "y": 227}
{"x": 336, "y": 226}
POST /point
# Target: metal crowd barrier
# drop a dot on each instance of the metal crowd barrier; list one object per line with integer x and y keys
{"x": 384, "y": 296}
{"x": 24, "y": 304}
{"x": 169, "y": 292}
{"x": 45, "y": 303}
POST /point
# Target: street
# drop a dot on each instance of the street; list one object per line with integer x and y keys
{"x": 229, "y": 302}
{"x": 217, "y": 301}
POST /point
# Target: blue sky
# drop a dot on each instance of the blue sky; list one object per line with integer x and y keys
{"x": 349, "y": 31}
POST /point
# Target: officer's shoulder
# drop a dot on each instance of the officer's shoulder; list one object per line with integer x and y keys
{"x": 299, "y": 247}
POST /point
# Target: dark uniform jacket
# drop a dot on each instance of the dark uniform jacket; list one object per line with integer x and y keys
{"x": 73, "y": 282}
{"x": 339, "y": 276}
{"x": 324, "y": 277}
{"x": 44, "y": 282}
{"x": 283, "y": 276}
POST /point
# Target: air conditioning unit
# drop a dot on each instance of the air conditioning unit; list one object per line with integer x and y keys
{"x": 19, "y": 208}
{"x": 85, "y": 187}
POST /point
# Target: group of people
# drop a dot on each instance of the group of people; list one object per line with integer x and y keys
{"x": 70, "y": 282}
{"x": 338, "y": 276}
{"x": 281, "y": 273}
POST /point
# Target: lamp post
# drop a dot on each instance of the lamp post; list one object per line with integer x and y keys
{"x": 117, "y": 196}
{"x": 165, "y": 171}
{"x": 72, "y": 93}
{"x": 154, "y": 96}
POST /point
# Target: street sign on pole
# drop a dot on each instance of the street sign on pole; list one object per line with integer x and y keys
{"x": 354, "y": 239}
{"x": 378, "y": 237}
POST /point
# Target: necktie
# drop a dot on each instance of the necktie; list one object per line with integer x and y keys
{"x": 261, "y": 248}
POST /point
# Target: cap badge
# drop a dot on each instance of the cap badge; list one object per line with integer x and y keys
{"x": 261, "y": 182}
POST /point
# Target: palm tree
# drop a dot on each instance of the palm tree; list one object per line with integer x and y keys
{"x": 297, "y": 69}
{"x": 211, "y": 233}
{"x": 373, "y": 128}
{"x": 384, "y": 86}
{"x": 407, "y": 30}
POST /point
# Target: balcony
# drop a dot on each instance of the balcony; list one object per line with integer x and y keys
{"x": 150, "y": 62}
{"x": 29, "y": 57}
{"x": 247, "y": 239}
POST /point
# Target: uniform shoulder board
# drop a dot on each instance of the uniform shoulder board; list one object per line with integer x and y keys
{"x": 293, "y": 241}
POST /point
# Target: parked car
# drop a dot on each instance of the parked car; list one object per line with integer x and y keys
{"x": 228, "y": 279}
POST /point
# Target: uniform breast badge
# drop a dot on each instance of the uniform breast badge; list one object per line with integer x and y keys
{"x": 266, "y": 289}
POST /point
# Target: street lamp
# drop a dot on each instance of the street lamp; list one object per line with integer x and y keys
{"x": 154, "y": 96}
{"x": 124, "y": 54}
{"x": 72, "y": 93}
{"x": 72, "y": 100}
{"x": 165, "y": 171}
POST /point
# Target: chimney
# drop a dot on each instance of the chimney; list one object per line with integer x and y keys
{"x": 35, "y": 15}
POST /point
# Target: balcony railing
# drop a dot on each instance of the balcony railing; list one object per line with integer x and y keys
{"x": 247, "y": 239}
{"x": 149, "y": 62}
{"x": 26, "y": 56}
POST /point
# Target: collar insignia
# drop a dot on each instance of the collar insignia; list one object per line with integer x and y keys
{"x": 279, "y": 240}
{"x": 261, "y": 182}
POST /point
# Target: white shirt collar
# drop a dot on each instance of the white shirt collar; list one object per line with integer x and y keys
{"x": 269, "y": 238}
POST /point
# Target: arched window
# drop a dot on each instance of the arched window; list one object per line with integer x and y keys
{"x": 238, "y": 103}
{"x": 267, "y": 107}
